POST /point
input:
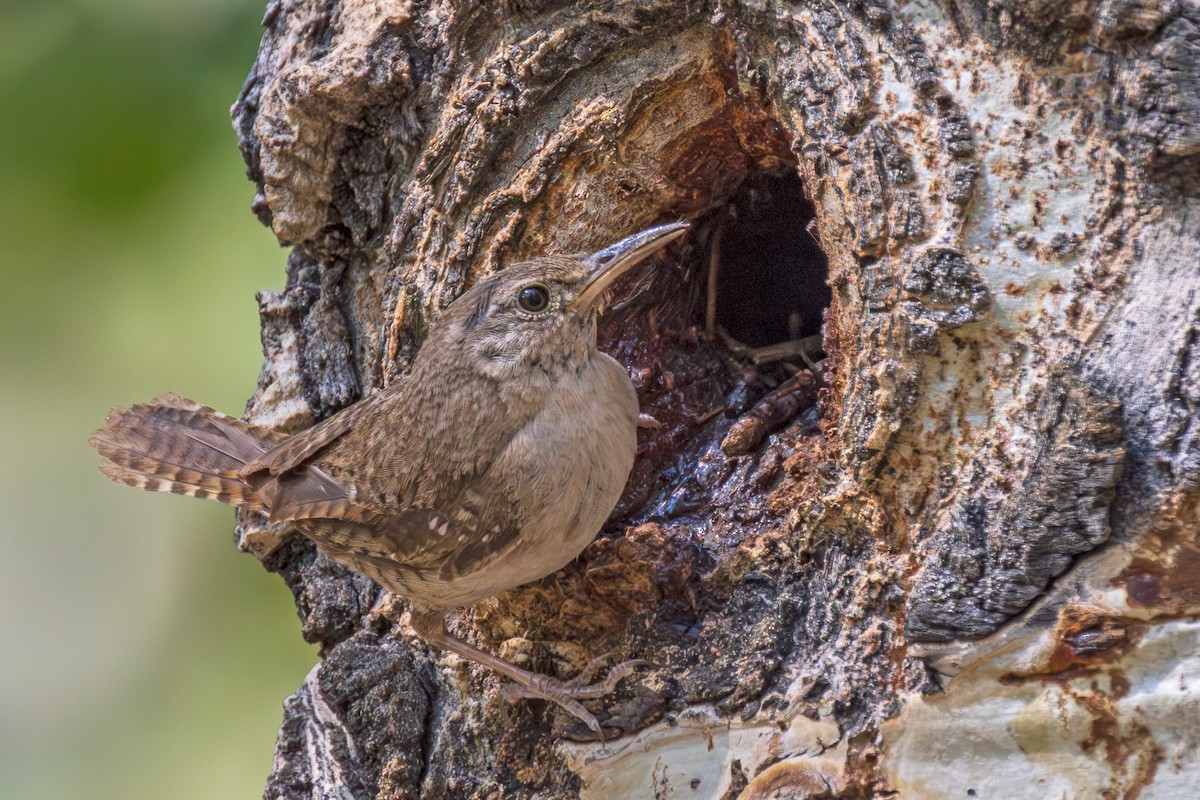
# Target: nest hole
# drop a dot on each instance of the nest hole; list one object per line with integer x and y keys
{"x": 717, "y": 331}
{"x": 770, "y": 279}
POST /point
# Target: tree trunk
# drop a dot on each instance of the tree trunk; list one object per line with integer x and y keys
{"x": 970, "y": 570}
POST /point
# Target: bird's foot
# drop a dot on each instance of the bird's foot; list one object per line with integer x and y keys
{"x": 616, "y": 674}
{"x": 568, "y": 694}
{"x": 430, "y": 625}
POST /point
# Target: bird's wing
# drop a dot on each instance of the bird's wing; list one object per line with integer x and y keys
{"x": 455, "y": 538}
{"x": 306, "y": 492}
{"x": 447, "y": 523}
{"x": 295, "y": 450}
{"x": 451, "y": 533}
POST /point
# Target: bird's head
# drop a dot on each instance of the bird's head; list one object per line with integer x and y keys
{"x": 542, "y": 313}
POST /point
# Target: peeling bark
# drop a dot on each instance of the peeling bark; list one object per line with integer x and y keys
{"x": 986, "y": 526}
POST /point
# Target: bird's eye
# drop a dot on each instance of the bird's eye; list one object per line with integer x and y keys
{"x": 534, "y": 298}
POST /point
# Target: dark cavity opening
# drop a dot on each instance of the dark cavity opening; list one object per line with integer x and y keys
{"x": 770, "y": 270}
{"x": 722, "y": 337}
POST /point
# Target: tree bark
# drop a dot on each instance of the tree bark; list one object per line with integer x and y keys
{"x": 970, "y": 570}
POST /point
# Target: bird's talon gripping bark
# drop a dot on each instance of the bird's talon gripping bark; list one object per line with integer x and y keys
{"x": 558, "y": 693}
{"x": 568, "y": 694}
{"x": 583, "y": 686}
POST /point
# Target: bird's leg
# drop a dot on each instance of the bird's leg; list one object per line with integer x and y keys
{"x": 431, "y": 625}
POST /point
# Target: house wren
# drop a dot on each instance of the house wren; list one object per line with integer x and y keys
{"x": 493, "y": 463}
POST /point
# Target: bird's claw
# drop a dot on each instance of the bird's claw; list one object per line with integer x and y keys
{"x": 568, "y": 694}
{"x": 582, "y": 686}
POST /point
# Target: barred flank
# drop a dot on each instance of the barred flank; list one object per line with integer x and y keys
{"x": 173, "y": 444}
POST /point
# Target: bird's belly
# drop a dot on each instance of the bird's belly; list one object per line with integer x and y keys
{"x": 574, "y": 459}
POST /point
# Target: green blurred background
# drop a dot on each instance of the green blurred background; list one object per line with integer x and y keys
{"x": 143, "y": 656}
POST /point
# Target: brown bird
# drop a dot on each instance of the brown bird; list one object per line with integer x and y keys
{"x": 493, "y": 463}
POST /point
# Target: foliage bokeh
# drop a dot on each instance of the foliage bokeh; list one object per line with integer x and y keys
{"x": 143, "y": 656}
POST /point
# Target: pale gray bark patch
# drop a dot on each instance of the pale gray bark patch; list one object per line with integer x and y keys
{"x": 1148, "y": 352}
{"x": 1004, "y": 537}
{"x": 359, "y": 721}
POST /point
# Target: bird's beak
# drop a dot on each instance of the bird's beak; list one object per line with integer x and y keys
{"x": 606, "y": 265}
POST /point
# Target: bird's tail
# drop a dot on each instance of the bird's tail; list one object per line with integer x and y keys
{"x": 172, "y": 444}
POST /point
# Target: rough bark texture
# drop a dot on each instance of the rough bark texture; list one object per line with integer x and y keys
{"x": 1000, "y": 482}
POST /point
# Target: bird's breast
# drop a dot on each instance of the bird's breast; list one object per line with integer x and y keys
{"x": 566, "y": 468}
{"x": 559, "y": 478}
{"x": 579, "y": 449}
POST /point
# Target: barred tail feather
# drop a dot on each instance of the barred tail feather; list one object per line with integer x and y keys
{"x": 224, "y": 490}
{"x": 173, "y": 444}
